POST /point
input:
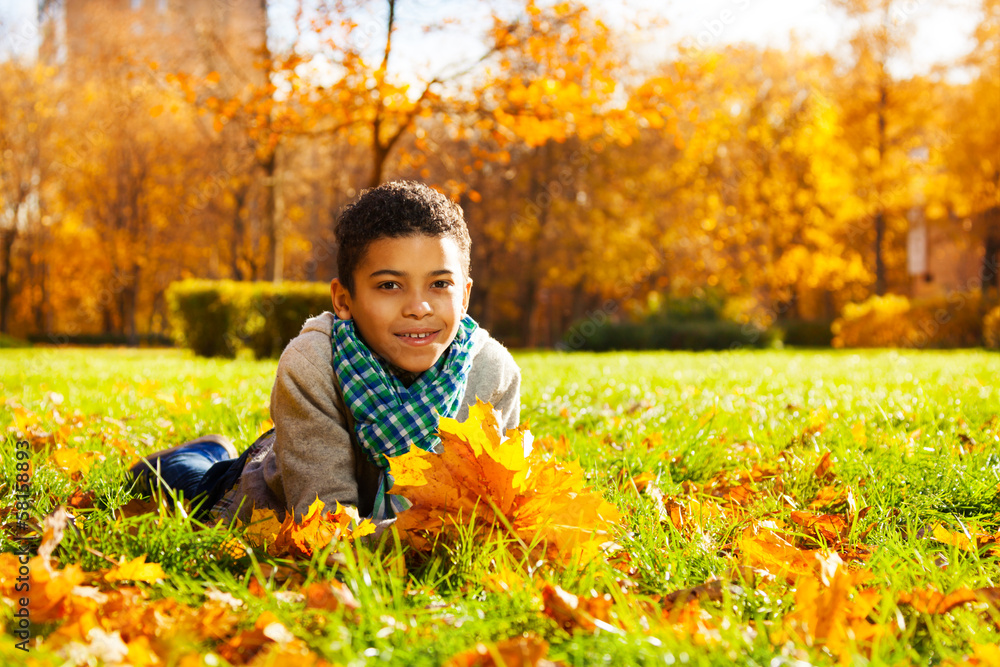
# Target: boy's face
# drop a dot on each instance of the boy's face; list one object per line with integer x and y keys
{"x": 410, "y": 295}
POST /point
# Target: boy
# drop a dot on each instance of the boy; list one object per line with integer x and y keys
{"x": 364, "y": 382}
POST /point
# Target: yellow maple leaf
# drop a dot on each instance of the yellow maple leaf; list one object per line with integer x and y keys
{"x": 74, "y": 462}
{"x": 262, "y": 528}
{"x": 136, "y": 569}
{"x": 492, "y": 481}
{"x": 314, "y": 533}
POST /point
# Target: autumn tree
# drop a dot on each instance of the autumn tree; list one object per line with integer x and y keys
{"x": 28, "y": 113}
{"x": 878, "y": 124}
{"x": 550, "y": 104}
{"x": 971, "y": 186}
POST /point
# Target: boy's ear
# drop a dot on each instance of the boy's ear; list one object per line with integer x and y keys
{"x": 465, "y": 297}
{"x": 341, "y": 299}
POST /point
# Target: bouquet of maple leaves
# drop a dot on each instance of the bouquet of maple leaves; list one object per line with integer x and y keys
{"x": 482, "y": 479}
{"x": 493, "y": 483}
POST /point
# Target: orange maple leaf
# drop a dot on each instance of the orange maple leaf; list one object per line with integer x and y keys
{"x": 764, "y": 548}
{"x": 834, "y": 612}
{"x": 314, "y": 533}
{"x": 930, "y": 601}
{"x": 833, "y": 528}
{"x": 573, "y": 612}
{"x": 493, "y": 482}
{"x": 514, "y": 652}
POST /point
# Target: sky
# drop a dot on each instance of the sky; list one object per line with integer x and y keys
{"x": 942, "y": 29}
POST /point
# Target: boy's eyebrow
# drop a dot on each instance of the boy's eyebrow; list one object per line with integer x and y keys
{"x": 403, "y": 274}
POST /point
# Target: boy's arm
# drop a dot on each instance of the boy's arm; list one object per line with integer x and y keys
{"x": 312, "y": 447}
{"x": 509, "y": 401}
{"x": 496, "y": 379}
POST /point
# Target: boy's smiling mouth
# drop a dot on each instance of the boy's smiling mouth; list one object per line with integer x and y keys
{"x": 418, "y": 337}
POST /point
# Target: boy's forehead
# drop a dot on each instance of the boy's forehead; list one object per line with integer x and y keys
{"x": 434, "y": 252}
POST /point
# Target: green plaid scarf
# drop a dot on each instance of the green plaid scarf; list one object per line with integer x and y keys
{"x": 388, "y": 416}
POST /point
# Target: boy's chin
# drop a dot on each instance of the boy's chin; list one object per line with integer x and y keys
{"x": 415, "y": 366}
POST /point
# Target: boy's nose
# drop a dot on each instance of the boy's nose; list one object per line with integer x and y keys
{"x": 418, "y": 306}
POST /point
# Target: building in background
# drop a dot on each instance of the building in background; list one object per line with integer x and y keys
{"x": 940, "y": 260}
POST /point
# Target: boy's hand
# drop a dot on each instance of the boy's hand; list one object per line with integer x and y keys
{"x": 373, "y": 539}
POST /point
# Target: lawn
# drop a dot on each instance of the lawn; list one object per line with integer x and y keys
{"x": 823, "y": 506}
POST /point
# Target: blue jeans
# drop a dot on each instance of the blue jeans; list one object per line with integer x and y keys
{"x": 184, "y": 469}
{"x": 201, "y": 470}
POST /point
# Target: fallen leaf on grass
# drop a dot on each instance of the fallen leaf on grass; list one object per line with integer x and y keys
{"x": 713, "y": 591}
{"x": 330, "y": 596}
{"x": 136, "y": 569}
{"x": 930, "y": 601}
{"x": 139, "y": 506}
{"x": 526, "y": 651}
{"x": 859, "y": 434}
{"x": 81, "y": 499}
{"x": 736, "y": 488}
{"x": 971, "y": 541}
{"x": 51, "y": 590}
{"x": 267, "y": 631}
{"x": 491, "y": 482}
{"x": 560, "y": 447}
{"x": 832, "y": 528}
{"x": 73, "y": 462}
{"x": 315, "y": 532}
{"x": 829, "y": 496}
{"x": 822, "y": 470}
{"x": 691, "y": 513}
{"x": 54, "y": 528}
{"x": 641, "y": 480}
{"x": 572, "y": 612}
{"x": 503, "y": 580}
{"x": 987, "y": 655}
{"x": 833, "y": 612}
{"x": 763, "y": 548}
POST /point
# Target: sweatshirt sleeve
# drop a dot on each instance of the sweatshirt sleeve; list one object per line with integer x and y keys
{"x": 508, "y": 401}
{"x": 495, "y": 378}
{"x": 313, "y": 451}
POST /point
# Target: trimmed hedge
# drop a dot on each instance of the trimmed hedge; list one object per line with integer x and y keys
{"x": 100, "y": 339}
{"x": 218, "y": 318}
{"x": 894, "y": 321}
{"x": 805, "y": 333}
{"x": 668, "y": 334}
{"x": 7, "y": 341}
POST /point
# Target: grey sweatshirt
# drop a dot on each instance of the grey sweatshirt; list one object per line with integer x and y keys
{"x": 311, "y": 454}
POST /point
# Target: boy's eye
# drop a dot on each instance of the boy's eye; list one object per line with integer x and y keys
{"x": 442, "y": 284}
{"x": 388, "y": 285}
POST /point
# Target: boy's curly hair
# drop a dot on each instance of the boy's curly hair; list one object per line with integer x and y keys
{"x": 394, "y": 210}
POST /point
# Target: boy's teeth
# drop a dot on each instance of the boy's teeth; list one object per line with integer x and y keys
{"x": 416, "y": 335}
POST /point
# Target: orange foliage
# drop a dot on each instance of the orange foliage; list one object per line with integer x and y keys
{"x": 490, "y": 481}
{"x": 315, "y": 532}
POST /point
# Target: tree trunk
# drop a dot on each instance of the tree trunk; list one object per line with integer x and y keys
{"x": 880, "y": 281}
{"x": 989, "y": 271}
{"x": 7, "y": 237}
{"x": 269, "y": 216}
{"x": 239, "y": 230}
{"x": 380, "y": 151}
{"x": 881, "y": 284}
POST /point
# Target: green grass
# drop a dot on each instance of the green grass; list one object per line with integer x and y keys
{"x": 915, "y": 436}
